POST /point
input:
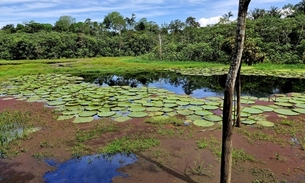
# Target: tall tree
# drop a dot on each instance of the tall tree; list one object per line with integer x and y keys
{"x": 191, "y": 22}
{"x": 64, "y": 23}
{"x": 227, "y": 123}
{"x": 131, "y": 21}
{"x": 114, "y": 21}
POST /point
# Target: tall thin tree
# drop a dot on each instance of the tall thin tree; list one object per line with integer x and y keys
{"x": 227, "y": 123}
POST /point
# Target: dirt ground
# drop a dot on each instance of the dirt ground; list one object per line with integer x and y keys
{"x": 176, "y": 159}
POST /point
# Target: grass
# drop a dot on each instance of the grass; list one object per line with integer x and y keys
{"x": 100, "y": 128}
{"x": 200, "y": 168}
{"x": 161, "y": 120}
{"x": 116, "y": 65}
{"x": 13, "y": 125}
{"x": 238, "y": 155}
{"x": 129, "y": 144}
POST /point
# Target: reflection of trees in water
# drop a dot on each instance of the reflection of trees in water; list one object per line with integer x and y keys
{"x": 253, "y": 85}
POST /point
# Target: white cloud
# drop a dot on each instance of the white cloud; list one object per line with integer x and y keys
{"x": 209, "y": 21}
{"x": 160, "y": 11}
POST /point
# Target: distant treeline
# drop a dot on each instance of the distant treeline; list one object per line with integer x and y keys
{"x": 275, "y": 35}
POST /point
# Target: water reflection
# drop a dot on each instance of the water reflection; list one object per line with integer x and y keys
{"x": 199, "y": 86}
{"x": 93, "y": 169}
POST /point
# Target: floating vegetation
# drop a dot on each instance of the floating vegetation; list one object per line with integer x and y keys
{"x": 71, "y": 97}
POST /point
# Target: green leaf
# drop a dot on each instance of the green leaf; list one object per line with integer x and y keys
{"x": 203, "y": 123}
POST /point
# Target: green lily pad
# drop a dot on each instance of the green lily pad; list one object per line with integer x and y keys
{"x": 194, "y": 117}
{"x": 248, "y": 122}
{"x": 122, "y": 119}
{"x": 296, "y": 101}
{"x": 60, "y": 118}
{"x": 197, "y": 102}
{"x": 185, "y": 112}
{"x": 170, "y": 105}
{"x": 203, "y": 123}
{"x": 252, "y": 110}
{"x": 287, "y": 112}
{"x": 83, "y": 119}
{"x": 300, "y": 105}
{"x": 87, "y": 113}
{"x": 167, "y": 110}
{"x": 106, "y": 114}
{"x": 137, "y": 114}
{"x": 182, "y": 103}
{"x": 263, "y": 108}
{"x": 213, "y": 103}
{"x": 212, "y": 117}
{"x": 92, "y": 108}
{"x": 157, "y": 113}
{"x": 265, "y": 123}
{"x": 299, "y": 110}
{"x": 210, "y": 107}
{"x": 171, "y": 113}
{"x": 283, "y": 104}
{"x": 203, "y": 112}
{"x": 153, "y": 109}
{"x": 55, "y": 103}
{"x": 136, "y": 109}
{"x": 195, "y": 108}
{"x": 69, "y": 113}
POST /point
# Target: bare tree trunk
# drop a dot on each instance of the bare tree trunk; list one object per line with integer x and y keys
{"x": 226, "y": 156}
{"x": 238, "y": 93}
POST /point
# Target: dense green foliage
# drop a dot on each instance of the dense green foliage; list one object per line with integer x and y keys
{"x": 275, "y": 35}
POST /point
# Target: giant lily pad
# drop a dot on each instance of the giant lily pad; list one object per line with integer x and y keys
{"x": 210, "y": 107}
{"x": 287, "y": 112}
{"x": 106, "y": 114}
{"x": 299, "y": 110}
{"x": 185, "y": 112}
{"x": 203, "y": 123}
{"x": 87, "y": 113}
{"x": 137, "y": 114}
{"x": 252, "y": 110}
{"x": 136, "y": 109}
{"x": 122, "y": 119}
{"x": 83, "y": 119}
{"x": 263, "y": 108}
{"x": 55, "y": 103}
{"x": 203, "y": 112}
{"x": 60, "y": 118}
{"x": 193, "y": 117}
{"x": 265, "y": 123}
{"x": 284, "y": 104}
{"x": 212, "y": 117}
{"x": 248, "y": 122}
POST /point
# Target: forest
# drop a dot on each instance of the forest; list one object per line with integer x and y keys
{"x": 275, "y": 35}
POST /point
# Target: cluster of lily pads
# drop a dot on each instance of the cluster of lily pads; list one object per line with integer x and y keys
{"x": 223, "y": 71}
{"x": 73, "y": 98}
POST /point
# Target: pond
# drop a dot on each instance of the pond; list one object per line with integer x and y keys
{"x": 198, "y": 86}
{"x": 94, "y": 168}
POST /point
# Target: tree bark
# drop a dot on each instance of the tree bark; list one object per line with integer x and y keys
{"x": 226, "y": 156}
{"x": 238, "y": 94}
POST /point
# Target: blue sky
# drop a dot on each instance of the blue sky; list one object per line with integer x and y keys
{"x": 159, "y": 11}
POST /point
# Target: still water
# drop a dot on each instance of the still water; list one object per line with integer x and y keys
{"x": 199, "y": 86}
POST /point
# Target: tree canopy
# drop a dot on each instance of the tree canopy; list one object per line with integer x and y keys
{"x": 273, "y": 35}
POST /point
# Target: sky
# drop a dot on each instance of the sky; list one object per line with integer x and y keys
{"x": 159, "y": 11}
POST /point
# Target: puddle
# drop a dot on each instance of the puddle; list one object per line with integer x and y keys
{"x": 93, "y": 169}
